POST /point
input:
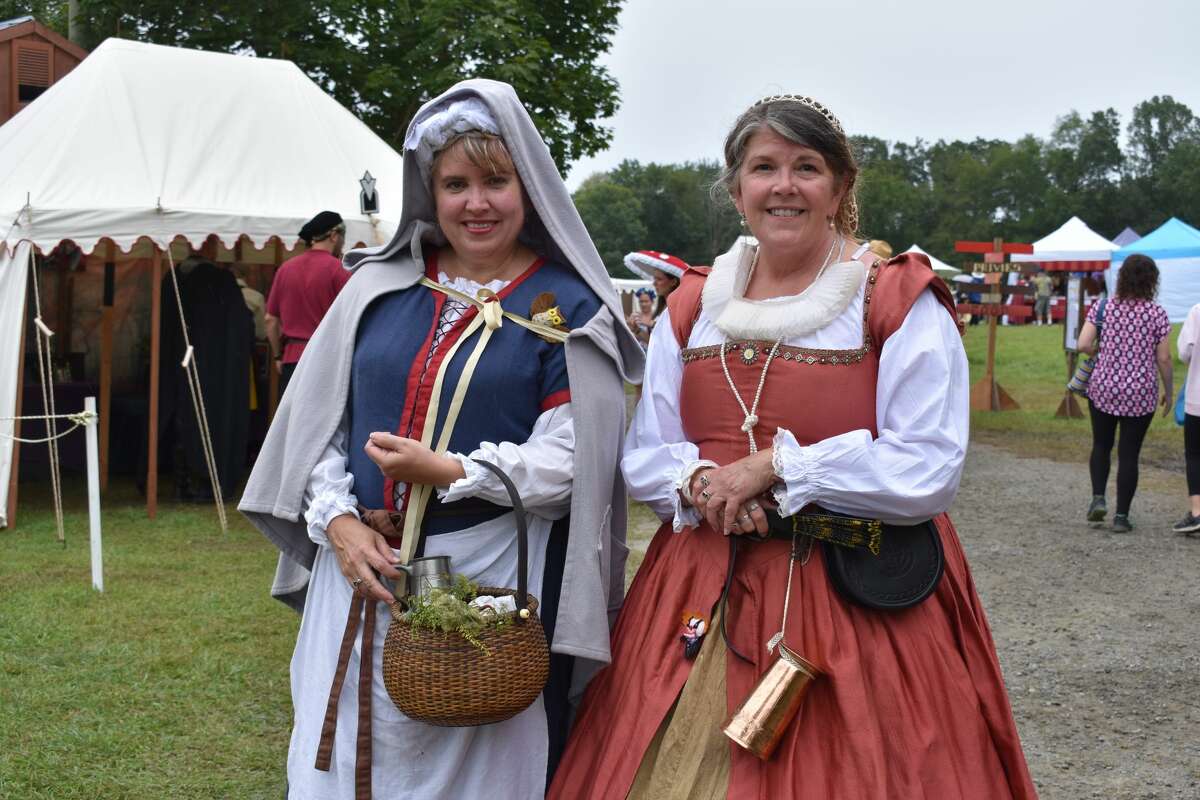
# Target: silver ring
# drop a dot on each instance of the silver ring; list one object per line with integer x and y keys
{"x": 744, "y": 518}
{"x": 356, "y": 582}
{"x": 704, "y": 481}
{"x": 752, "y": 506}
{"x": 706, "y": 494}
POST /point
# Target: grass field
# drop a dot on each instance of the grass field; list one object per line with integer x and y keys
{"x": 174, "y": 682}
{"x": 1031, "y": 366}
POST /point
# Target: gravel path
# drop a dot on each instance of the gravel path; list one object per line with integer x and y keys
{"x": 1098, "y": 633}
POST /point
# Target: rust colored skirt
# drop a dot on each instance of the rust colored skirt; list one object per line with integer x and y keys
{"x": 911, "y": 704}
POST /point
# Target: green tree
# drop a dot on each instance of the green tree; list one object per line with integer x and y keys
{"x": 613, "y": 216}
{"x": 1157, "y": 126}
{"x": 384, "y": 58}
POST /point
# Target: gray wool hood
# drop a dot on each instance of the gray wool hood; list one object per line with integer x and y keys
{"x": 601, "y": 355}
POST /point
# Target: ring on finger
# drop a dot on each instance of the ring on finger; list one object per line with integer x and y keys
{"x": 752, "y": 506}
{"x": 357, "y": 582}
{"x": 706, "y": 494}
{"x": 704, "y": 481}
{"x": 744, "y": 518}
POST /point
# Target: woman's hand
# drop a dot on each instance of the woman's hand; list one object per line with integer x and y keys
{"x": 731, "y": 497}
{"x": 361, "y": 553}
{"x": 1165, "y": 402}
{"x": 410, "y": 461}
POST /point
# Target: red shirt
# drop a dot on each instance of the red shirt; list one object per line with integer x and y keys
{"x": 303, "y": 290}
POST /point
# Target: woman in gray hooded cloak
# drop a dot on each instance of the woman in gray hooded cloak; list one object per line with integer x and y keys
{"x": 484, "y": 211}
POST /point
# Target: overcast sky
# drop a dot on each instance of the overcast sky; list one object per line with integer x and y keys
{"x": 897, "y": 70}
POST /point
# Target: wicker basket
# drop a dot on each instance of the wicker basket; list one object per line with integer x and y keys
{"x": 442, "y": 679}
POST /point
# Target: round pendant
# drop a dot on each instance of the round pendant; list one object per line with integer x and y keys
{"x": 749, "y": 354}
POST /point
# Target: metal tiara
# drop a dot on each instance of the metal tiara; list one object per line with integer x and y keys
{"x": 804, "y": 101}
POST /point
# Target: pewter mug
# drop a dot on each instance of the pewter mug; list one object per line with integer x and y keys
{"x": 764, "y": 716}
{"x": 426, "y": 574}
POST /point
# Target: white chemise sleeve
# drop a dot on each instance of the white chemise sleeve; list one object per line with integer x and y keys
{"x": 911, "y": 471}
{"x": 329, "y": 492}
{"x": 541, "y": 468}
{"x": 658, "y": 458}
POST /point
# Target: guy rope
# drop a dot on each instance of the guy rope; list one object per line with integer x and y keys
{"x": 193, "y": 375}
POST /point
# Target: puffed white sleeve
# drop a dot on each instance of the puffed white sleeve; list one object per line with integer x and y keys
{"x": 329, "y": 492}
{"x": 659, "y": 460}
{"x": 541, "y": 468}
{"x": 911, "y": 471}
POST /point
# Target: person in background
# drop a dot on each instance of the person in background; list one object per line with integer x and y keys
{"x": 1191, "y": 422}
{"x": 303, "y": 289}
{"x": 662, "y": 268}
{"x": 1123, "y": 390}
{"x": 880, "y": 248}
{"x": 1041, "y": 304}
{"x": 641, "y": 321}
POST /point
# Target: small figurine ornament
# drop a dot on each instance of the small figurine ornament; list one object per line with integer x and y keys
{"x": 695, "y": 625}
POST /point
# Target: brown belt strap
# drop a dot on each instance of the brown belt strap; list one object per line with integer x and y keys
{"x": 362, "y": 760}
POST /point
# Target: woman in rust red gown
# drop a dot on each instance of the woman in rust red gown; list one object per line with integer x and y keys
{"x": 801, "y": 372}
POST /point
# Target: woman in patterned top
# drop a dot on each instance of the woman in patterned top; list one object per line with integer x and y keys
{"x": 1132, "y": 341}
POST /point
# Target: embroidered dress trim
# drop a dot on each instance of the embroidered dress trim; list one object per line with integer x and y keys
{"x": 750, "y": 351}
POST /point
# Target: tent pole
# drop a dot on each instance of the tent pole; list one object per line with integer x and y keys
{"x": 273, "y": 375}
{"x": 106, "y": 349}
{"x": 155, "y": 347}
{"x": 13, "y": 474}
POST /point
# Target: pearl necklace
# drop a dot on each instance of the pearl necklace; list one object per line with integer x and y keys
{"x": 751, "y": 413}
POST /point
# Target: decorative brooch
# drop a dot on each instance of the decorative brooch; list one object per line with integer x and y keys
{"x": 695, "y": 625}
{"x": 544, "y": 310}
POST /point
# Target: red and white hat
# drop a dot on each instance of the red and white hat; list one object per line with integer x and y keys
{"x": 644, "y": 262}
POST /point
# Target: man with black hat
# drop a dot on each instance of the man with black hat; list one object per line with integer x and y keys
{"x": 303, "y": 290}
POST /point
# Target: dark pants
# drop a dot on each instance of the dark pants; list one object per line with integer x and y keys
{"x": 285, "y": 375}
{"x": 1191, "y": 451}
{"x": 1104, "y": 432}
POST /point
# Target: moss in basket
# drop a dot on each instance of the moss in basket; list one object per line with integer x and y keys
{"x": 449, "y": 611}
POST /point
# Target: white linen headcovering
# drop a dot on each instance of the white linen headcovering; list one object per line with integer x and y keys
{"x": 429, "y": 134}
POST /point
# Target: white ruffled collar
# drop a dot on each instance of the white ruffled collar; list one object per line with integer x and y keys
{"x": 468, "y": 286}
{"x": 778, "y": 317}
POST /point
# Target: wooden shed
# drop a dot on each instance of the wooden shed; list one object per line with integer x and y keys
{"x": 32, "y": 59}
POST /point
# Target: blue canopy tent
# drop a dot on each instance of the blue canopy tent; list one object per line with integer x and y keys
{"x": 1175, "y": 247}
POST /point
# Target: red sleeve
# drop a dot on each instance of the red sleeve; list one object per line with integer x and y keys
{"x": 339, "y": 278}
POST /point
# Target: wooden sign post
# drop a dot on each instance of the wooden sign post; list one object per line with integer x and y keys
{"x": 1073, "y": 321}
{"x": 987, "y": 395}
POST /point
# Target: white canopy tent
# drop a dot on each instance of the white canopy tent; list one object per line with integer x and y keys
{"x": 146, "y": 147}
{"x": 1074, "y": 247}
{"x": 943, "y": 270}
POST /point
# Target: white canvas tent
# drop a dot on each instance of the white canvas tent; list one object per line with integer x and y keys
{"x": 943, "y": 270}
{"x": 142, "y": 147}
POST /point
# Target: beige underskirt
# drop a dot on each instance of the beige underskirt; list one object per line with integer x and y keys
{"x": 688, "y": 759}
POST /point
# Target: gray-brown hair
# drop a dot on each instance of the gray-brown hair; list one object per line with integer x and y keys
{"x": 804, "y": 125}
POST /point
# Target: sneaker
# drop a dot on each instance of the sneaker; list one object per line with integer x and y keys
{"x": 1189, "y": 524}
{"x": 1098, "y": 509}
{"x": 1121, "y": 523}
